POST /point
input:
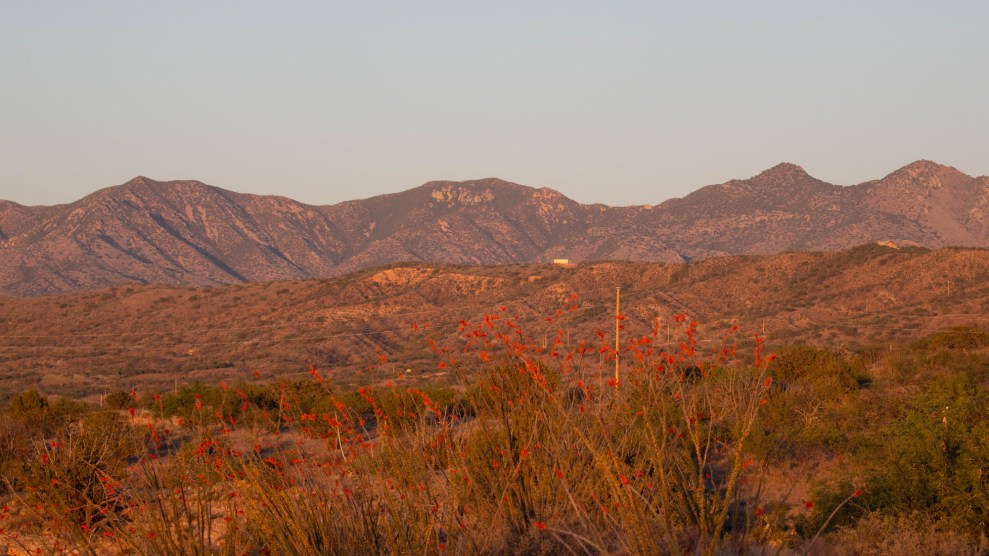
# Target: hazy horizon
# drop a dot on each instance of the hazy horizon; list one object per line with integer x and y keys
{"x": 629, "y": 104}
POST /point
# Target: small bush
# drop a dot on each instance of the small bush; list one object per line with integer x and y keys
{"x": 906, "y": 535}
{"x": 957, "y": 338}
{"x": 118, "y": 400}
{"x": 78, "y": 469}
{"x": 814, "y": 404}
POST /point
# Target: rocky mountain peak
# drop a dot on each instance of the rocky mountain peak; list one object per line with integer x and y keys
{"x": 924, "y": 173}
{"x": 784, "y": 170}
{"x": 460, "y": 193}
{"x": 146, "y": 188}
{"x": 479, "y": 191}
{"x": 139, "y": 180}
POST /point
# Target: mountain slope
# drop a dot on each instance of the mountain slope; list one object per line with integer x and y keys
{"x": 190, "y": 233}
{"x": 785, "y": 209}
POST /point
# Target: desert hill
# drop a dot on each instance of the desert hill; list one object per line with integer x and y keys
{"x": 151, "y": 335}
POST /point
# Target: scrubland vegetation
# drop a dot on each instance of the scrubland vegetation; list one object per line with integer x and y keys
{"x": 697, "y": 447}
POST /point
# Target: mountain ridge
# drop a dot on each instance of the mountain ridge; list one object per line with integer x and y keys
{"x": 186, "y": 232}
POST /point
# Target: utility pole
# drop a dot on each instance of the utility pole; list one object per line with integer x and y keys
{"x": 618, "y": 312}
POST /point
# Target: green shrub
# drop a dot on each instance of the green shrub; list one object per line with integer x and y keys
{"x": 29, "y": 403}
{"x": 931, "y": 459}
{"x": 814, "y": 405}
{"x": 118, "y": 400}
{"x": 798, "y": 364}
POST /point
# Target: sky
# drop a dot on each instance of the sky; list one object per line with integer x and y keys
{"x": 613, "y": 102}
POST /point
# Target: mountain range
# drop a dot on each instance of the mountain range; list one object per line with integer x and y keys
{"x": 191, "y": 233}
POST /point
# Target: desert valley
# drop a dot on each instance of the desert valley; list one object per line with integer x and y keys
{"x": 494, "y": 278}
{"x": 748, "y": 352}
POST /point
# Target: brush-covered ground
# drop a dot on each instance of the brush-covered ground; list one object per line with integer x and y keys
{"x": 702, "y": 444}
{"x": 151, "y": 337}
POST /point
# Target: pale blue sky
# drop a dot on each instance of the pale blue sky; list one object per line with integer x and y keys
{"x": 615, "y": 102}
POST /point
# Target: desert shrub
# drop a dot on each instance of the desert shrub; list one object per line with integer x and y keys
{"x": 936, "y": 455}
{"x": 182, "y": 505}
{"x": 662, "y": 448}
{"x": 65, "y": 410}
{"x": 837, "y": 503}
{"x": 29, "y": 403}
{"x": 18, "y": 436}
{"x": 406, "y": 408}
{"x": 25, "y": 423}
{"x": 878, "y": 534}
{"x": 118, "y": 400}
{"x": 956, "y": 350}
{"x": 957, "y": 338}
{"x": 814, "y": 404}
{"x": 73, "y": 481}
{"x": 841, "y": 371}
{"x": 930, "y": 460}
{"x": 192, "y": 401}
